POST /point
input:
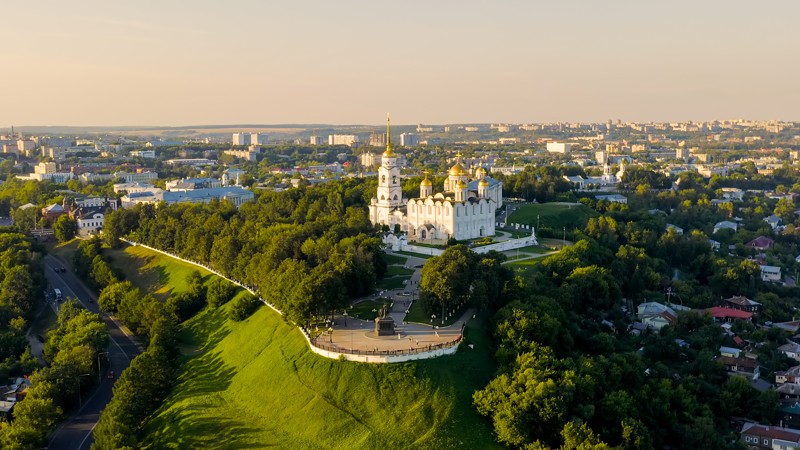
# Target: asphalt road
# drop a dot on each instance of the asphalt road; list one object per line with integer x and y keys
{"x": 76, "y": 432}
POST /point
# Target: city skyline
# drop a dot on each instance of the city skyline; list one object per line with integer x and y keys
{"x": 101, "y": 64}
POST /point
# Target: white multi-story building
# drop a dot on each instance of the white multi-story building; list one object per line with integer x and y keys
{"x": 409, "y": 140}
{"x": 147, "y": 154}
{"x": 559, "y": 147}
{"x": 343, "y": 139}
{"x": 45, "y": 167}
{"x": 465, "y": 210}
{"x": 315, "y": 140}
{"x": 247, "y": 155}
{"x": 143, "y": 177}
{"x": 241, "y": 138}
{"x": 258, "y": 138}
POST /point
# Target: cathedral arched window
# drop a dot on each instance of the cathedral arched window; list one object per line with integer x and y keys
{"x": 430, "y": 210}
{"x": 395, "y": 196}
{"x": 383, "y": 179}
{"x": 412, "y": 207}
{"x": 447, "y": 212}
{"x": 438, "y": 209}
{"x": 383, "y": 198}
{"x": 394, "y": 180}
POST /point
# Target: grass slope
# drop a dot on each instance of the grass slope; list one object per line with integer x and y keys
{"x": 553, "y": 215}
{"x": 152, "y": 272}
{"x": 255, "y": 384}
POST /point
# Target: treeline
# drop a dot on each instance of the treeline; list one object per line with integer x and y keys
{"x": 459, "y": 277}
{"x": 543, "y": 184}
{"x": 571, "y": 372}
{"x": 307, "y": 250}
{"x": 92, "y": 266}
{"x": 142, "y": 387}
{"x": 21, "y": 282}
{"x": 71, "y": 350}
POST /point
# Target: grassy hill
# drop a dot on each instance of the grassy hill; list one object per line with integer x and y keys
{"x": 553, "y": 215}
{"x": 255, "y": 384}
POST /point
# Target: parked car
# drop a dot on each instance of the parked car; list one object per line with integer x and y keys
{"x": 110, "y": 375}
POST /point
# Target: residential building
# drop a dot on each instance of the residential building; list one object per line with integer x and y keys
{"x": 761, "y": 243}
{"x": 315, "y": 140}
{"x": 409, "y": 140}
{"x": 743, "y": 303}
{"x": 743, "y": 366}
{"x": 724, "y": 225}
{"x": 258, "y": 138}
{"x": 766, "y": 437}
{"x": 790, "y": 375}
{"x": 771, "y": 274}
{"x": 791, "y": 349}
{"x": 674, "y": 228}
{"x": 240, "y": 138}
{"x": 138, "y": 177}
{"x": 722, "y": 314}
{"x": 559, "y": 147}
{"x": 247, "y": 155}
{"x": 146, "y": 154}
{"x": 343, "y": 139}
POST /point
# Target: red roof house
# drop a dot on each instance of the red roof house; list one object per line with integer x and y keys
{"x": 721, "y": 314}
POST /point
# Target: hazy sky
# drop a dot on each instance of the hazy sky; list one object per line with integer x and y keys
{"x": 170, "y": 62}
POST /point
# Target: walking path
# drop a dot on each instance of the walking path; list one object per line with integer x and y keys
{"x": 359, "y": 335}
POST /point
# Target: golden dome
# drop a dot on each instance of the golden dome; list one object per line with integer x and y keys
{"x": 458, "y": 170}
{"x": 480, "y": 172}
{"x": 389, "y": 153}
{"x": 426, "y": 182}
{"x": 461, "y": 184}
{"x": 483, "y": 183}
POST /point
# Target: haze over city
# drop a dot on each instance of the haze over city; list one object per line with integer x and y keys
{"x": 170, "y": 63}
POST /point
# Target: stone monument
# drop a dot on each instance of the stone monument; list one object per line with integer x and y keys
{"x": 384, "y": 325}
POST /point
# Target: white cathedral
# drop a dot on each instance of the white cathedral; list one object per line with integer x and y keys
{"x": 464, "y": 210}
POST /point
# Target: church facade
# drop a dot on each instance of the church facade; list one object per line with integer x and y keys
{"x": 464, "y": 209}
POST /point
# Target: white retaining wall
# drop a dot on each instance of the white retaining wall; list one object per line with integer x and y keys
{"x": 322, "y": 352}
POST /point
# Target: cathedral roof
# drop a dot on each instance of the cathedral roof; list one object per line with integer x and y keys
{"x": 474, "y": 183}
{"x": 458, "y": 170}
{"x": 426, "y": 182}
{"x": 461, "y": 184}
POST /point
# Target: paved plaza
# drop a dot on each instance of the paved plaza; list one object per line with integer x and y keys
{"x": 359, "y": 335}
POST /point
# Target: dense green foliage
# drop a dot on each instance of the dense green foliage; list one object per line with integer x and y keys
{"x": 71, "y": 350}
{"x": 21, "y": 281}
{"x": 307, "y": 251}
{"x": 570, "y": 373}
{"x": 140, "y": 389}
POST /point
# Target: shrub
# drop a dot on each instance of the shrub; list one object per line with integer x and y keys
{"x": 244, "y": 306}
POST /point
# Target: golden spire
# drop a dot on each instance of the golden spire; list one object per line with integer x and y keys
{"x": 389, "y": 152}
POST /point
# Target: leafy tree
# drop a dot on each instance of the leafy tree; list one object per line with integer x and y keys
{"x": 219, "y": 292}
{"x": 65, "y": 228}
{"x": 111, "y": 296}
{"x": 243, "y": 307}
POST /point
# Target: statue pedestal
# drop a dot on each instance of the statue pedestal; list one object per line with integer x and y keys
{"x": 384, "y": 326}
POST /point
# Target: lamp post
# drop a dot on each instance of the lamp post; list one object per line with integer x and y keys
{"x": 78, "y": 379}
{"x": 330, "y": 334}
{"x": 345, "y": 319}
{"x": 99, "y": 378}
{"x": 433, "y": 317}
